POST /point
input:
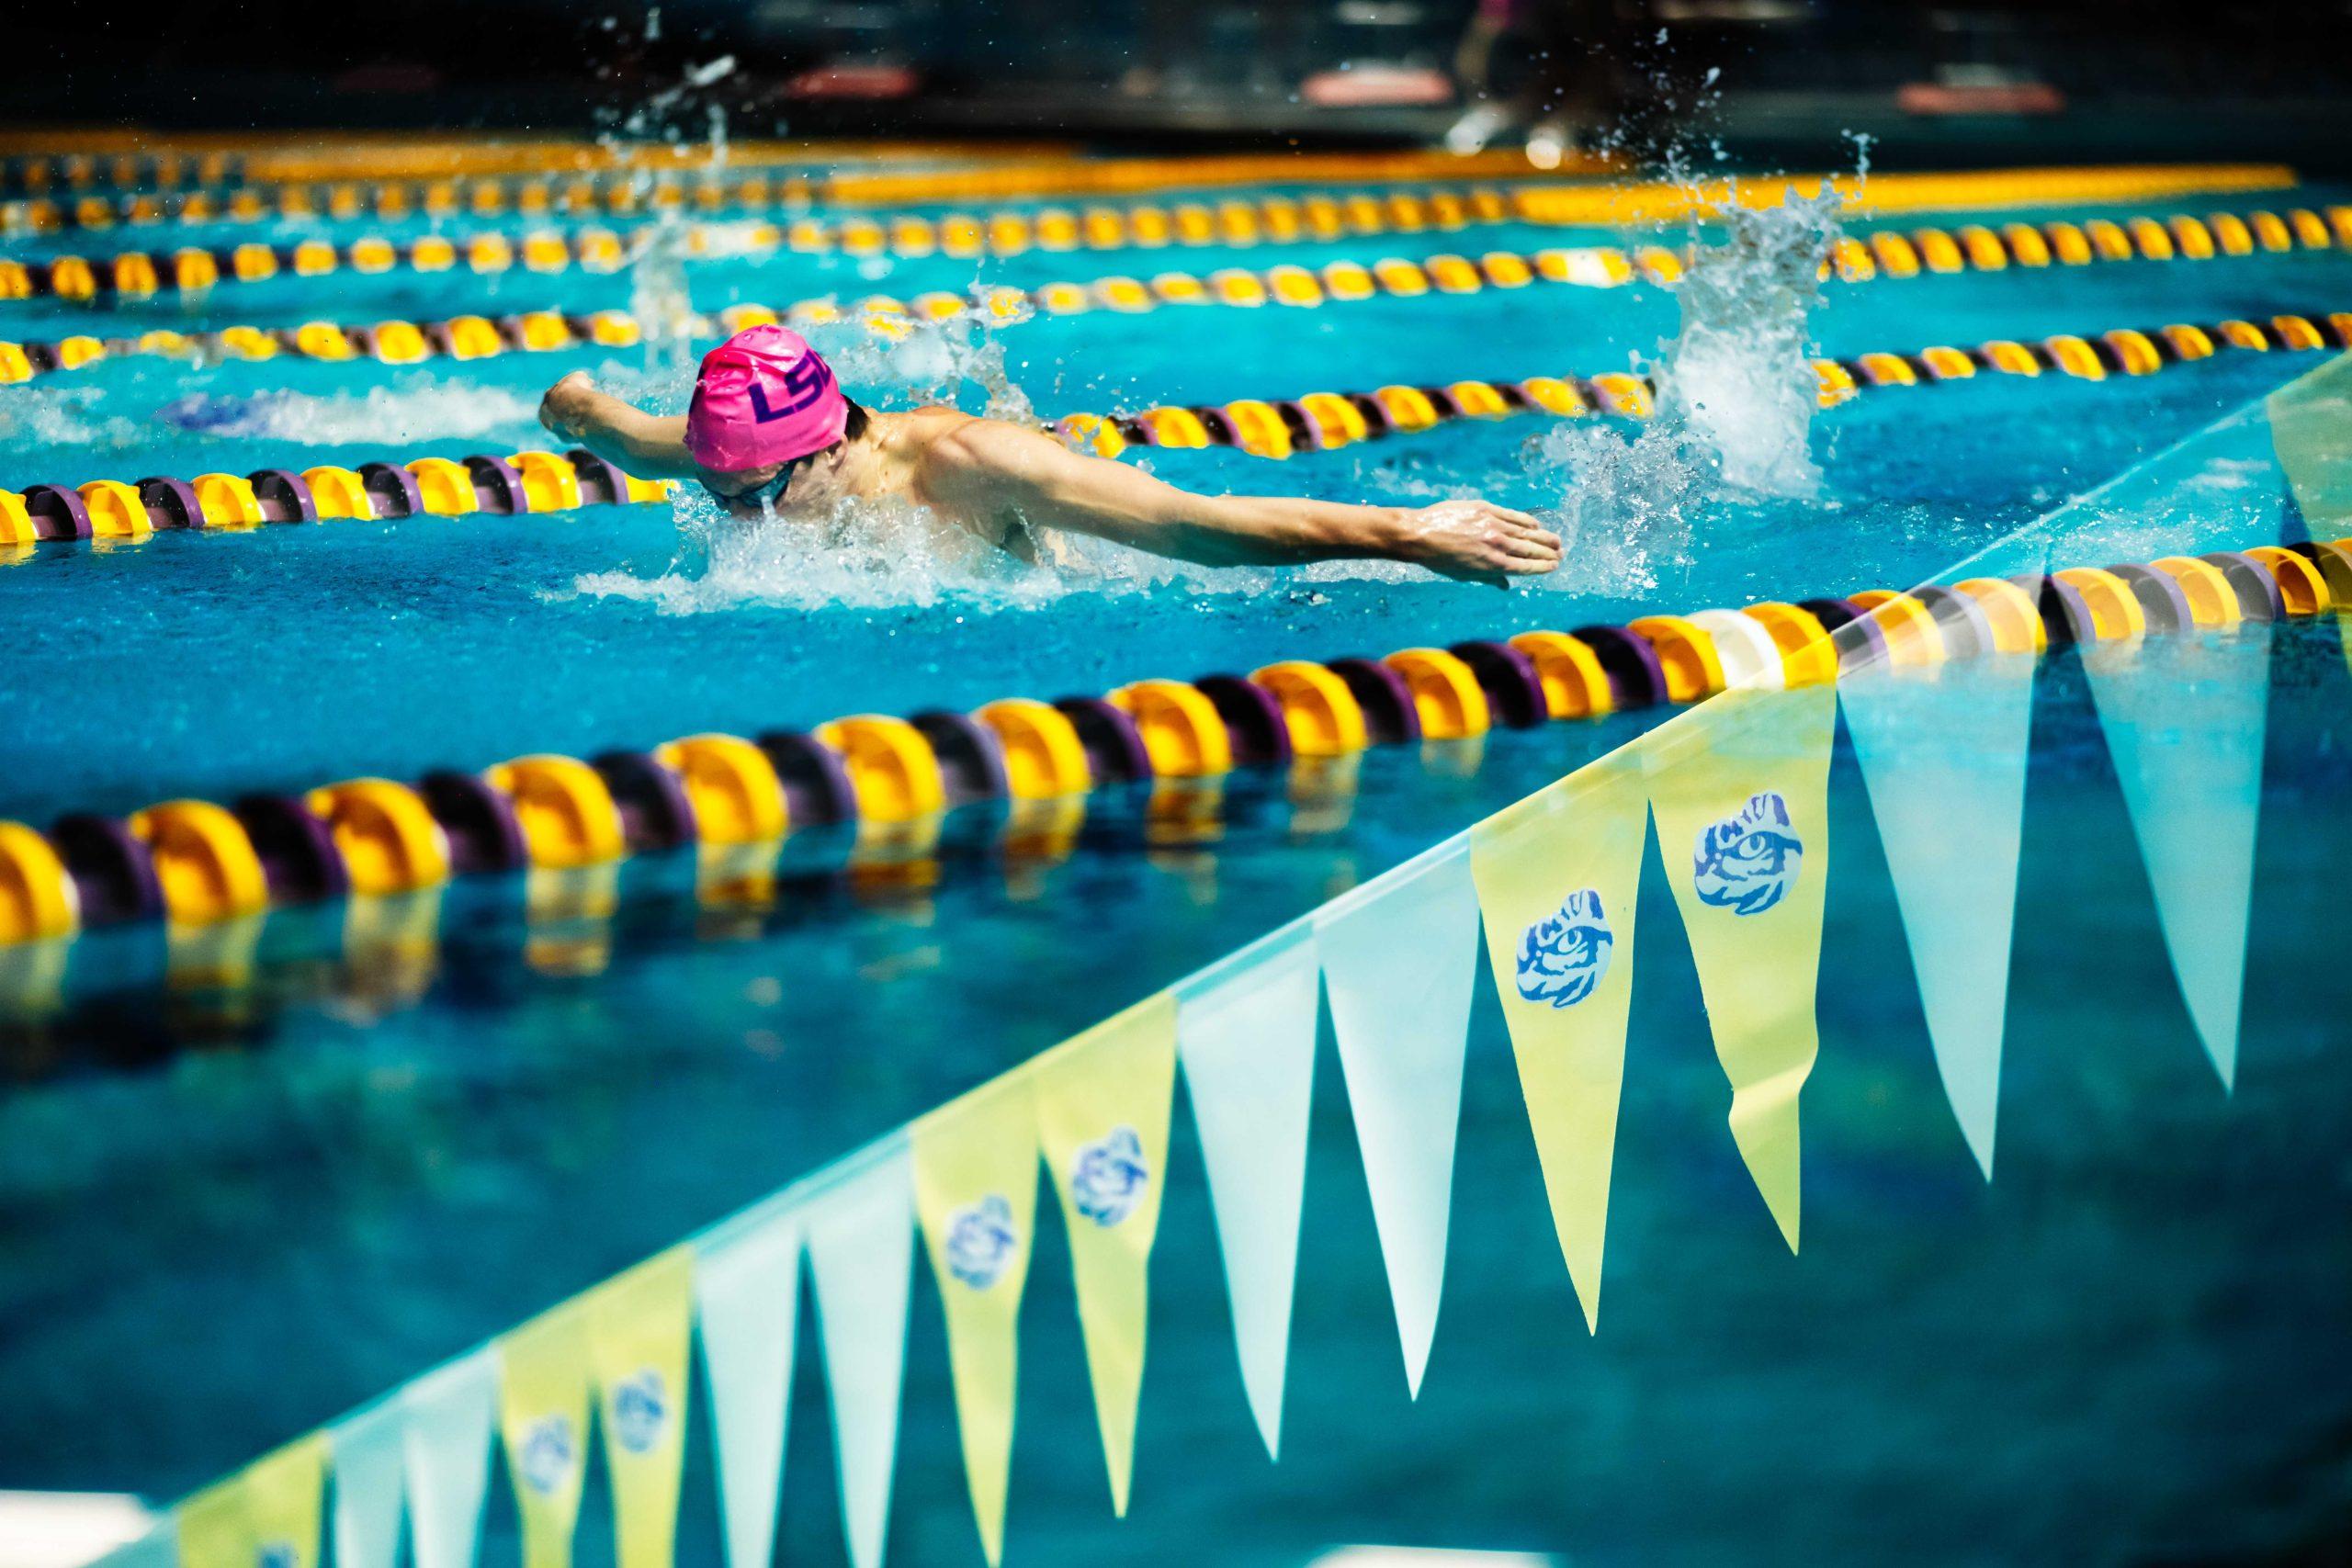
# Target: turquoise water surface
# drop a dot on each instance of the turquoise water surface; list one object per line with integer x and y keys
{"x": 229, "y": 1214}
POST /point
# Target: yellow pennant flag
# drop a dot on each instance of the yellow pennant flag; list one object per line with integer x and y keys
{"x": 1740, "y": 788}
{"x": 638, "y": 1328}
{"x": 267, "y": 1515}
{"x": 1556, "y": 876}
{"x": 976, "y": 1193}
{"x": 543, "y": 1415}
{"x": 1103, "y": 1106}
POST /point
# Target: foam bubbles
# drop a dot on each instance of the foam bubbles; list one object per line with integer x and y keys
{"x": 1737, "y": 378}
{"x": 416, "y": 408}
{"x": 1736, "y": 397}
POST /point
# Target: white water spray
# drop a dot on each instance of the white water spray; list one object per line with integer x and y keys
{"x": 1737, "y": 396}
{"x": 1738, "y": 378}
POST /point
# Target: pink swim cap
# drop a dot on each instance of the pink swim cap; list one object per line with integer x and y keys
{"x": 762, "y": 397}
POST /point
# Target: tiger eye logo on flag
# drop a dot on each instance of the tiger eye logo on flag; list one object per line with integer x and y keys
{"x": 641, "y": 1409}
{"x": 1108, "y": 1177}
{"x": 1562, "y": 957}
{"x": 1747, "y": 862}
{"x": 981, "y": 1242}
{"x": 803, "y": 385}
{"x": 547, "y": 1454}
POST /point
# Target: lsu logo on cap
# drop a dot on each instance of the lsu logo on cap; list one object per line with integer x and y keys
{"x": 803, "y": 385}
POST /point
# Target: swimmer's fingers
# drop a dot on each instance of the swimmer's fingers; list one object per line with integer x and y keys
{"x": 1528, "y": 529}
{"x": 1530, "y": 550}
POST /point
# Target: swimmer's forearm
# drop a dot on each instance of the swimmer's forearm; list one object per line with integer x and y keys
{"x": 1259, "y": 530}
{"x": 626, "y": 436}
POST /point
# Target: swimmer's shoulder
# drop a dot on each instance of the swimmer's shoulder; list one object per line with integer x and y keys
{"x": 940, "y": 439}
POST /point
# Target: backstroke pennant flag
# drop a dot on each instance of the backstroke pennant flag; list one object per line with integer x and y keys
{"x": 1557, "y": 879}
{"x": 861, "y": 1255}
{"x": 976, "y": 1196}
{"x": 543, "y": 1415}
{"x": 1943, "y": 752}
{"x": 448, "y": 1414}
{"x": 1739, "y": 788}
{"x": 2307, "y": 421}
{"x": 1102, "y": 1104}
{"x": 267, "y": 1515}
{"x": 747, "y": 1291}
{"x": 1245, "y": 1034}
{"x": 367, "y": 1454}
{"x": 2184, "y": 719}
{"x": 639, "y": 1332}
{"x": 1400, "y": 957}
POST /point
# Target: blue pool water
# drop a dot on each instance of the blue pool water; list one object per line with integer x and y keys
{"x": 229, "y": 1214}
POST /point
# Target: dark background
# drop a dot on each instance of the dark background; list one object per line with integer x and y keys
{"x": 1951, "y": 83}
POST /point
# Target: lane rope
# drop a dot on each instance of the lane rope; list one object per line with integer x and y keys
{"x": 1878, "y": 253}
{"x": 1312, "y": 217}
{"x": 622, "y": 191}
{"x": 195, "y": 862}
{"x": 1327, "y": 420}
{"x": 118, "y": 511}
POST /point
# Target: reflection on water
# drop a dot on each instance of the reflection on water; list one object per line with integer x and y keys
{"x": 2117, "y": 1352}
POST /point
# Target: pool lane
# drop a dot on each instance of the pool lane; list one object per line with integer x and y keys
{"x": 286, "y": 657}
{"x": 2117, "y": 1333}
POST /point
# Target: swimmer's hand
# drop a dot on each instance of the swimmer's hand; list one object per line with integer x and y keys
{"x": 568, "y": 406}
{"x": 1476, "y": 541}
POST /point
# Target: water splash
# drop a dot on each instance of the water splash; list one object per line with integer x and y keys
{"x": 1738, "y": 378}
{"x": 418, "y": 407}
{"x": 32, "y": 417}
{"x": 865, "y": 554}
{"x": 926, "y": 362}
{"x": 659, "y": 297}
{"x": 1737, "y": 399}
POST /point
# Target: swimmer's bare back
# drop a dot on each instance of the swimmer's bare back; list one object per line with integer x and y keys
{"x": 1009, "y": 484}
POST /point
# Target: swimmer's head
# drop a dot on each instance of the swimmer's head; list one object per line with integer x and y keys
{"x": 765, "y": 405}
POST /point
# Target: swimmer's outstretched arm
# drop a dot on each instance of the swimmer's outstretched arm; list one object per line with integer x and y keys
{"x": 649, "y": 445}
{"x": 989, "y": 468}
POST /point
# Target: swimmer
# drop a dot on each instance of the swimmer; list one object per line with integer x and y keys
{"x": 771, "y": 433}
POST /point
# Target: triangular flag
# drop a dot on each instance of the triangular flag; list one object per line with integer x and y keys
{"x": 285, "y": 1497}
{"x": 543, "y": 1415}
{"x": 1739, "y": 785}
{"x": 448, "y": 1414}
{"x": 976, "y": 1197}
{"x": 215, "y": 1532}
{"x": 366, "y": 1449}
{"x": 1944, "y": 750}
{"x": 747, "y": 1294}
{"x": 1556, "y": 876}
{"x": 2307, "y": 418}
{"x": 1102, "y": 1108}
{"x": 861, "y": 1254}
{"x": 267, "y": 1515}
{"x": 639, "y": 1326}
{"x": 1245, "y": 1034}
{"x": 2184, "y": 719}
{"x": 1400, "y": 957}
